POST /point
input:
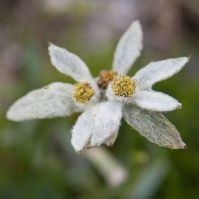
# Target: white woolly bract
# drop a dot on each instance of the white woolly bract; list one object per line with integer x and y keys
{"x": 128, "y": 48}
{"x": 96, "y": 125}
{"x": 69, "y": 64}
{"x": 155, "y": 101}
{"x": 157, "y": 71}
{"x": 53, "y": 100}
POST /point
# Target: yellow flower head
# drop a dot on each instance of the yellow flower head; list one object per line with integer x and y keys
{"x": 83, "y": 92}
{"x": 124, "y": 86}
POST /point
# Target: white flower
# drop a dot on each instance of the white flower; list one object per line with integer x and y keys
{"x": 104, "y": 102}
{"x": 132, "y": 98}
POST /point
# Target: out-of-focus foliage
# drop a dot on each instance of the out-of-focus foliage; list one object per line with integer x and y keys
{"x": 33, "y": 163}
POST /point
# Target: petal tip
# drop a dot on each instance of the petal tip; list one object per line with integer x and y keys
{"x": 185, "y": 60}
{"x": 183, "y": 145}
{"x": 51, "y": 47}
{"x": 179, "y": 106}
{"x": 50, "y": 43}
{"x": 190, "y": 56}
{"x": 137, "y": 23}
{"x": 180, "y": 145}
{"x": 10, "y": 115}
{"x": 76, "y": 147}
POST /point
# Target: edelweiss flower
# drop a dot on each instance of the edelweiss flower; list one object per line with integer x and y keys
{"x": 131, "y": 98}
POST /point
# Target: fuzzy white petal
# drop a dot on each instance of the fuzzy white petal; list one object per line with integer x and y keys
{"x": 80, "y": 135}
{"x": 69, "y": 64}
{"x": 96, "y": 125}
{"x": 155, "y": 101}
{"x": 128, "y": 48}
{"x": 157, "y": 71}
{"x": 154, "y": 126}
{"x": 53, "y": 100}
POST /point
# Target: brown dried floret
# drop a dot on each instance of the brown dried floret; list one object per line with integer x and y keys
{"x": 105, "y": 77}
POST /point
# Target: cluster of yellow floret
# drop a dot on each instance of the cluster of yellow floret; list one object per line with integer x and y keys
{"x": 83, "y": 92}
{"x": 122, "y": 85}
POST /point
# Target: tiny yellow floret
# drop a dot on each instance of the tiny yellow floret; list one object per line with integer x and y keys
{"x": 83, "y": 92}
{"x": 105, "y": 77}
{"x": 124, "y": 86}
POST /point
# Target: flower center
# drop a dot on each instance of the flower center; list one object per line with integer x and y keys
{"x": 105, "y": 77}
{"x": 124, "y": 86}
{"x": 83, "y": 92}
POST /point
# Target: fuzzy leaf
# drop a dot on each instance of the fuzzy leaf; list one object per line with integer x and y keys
{"x": 154, "y": 126}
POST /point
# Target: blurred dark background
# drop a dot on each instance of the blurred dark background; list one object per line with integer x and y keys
{"x": 36, "y": 158}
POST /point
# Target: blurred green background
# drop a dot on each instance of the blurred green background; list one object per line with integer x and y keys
{"x": 37, "y": 160}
